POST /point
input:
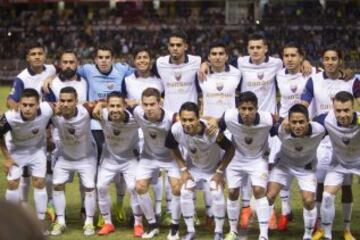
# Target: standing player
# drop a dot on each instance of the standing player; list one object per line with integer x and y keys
{"x": 76, "y": 153}
{"x": 118, "y": 156}
{"x": 28, "y": 129}
{"x": 31, "y": 77}
{"x": 322, "y": 88}
{"x": 204, "y": 163}
{"x": 250, "y": 131}
{"x": 297, "y": 158}
{"x": 155, "y": 122}
{"x": 342, "y": 125}
{"x": 132, "y": 88}
{"x": 222, "y": 87}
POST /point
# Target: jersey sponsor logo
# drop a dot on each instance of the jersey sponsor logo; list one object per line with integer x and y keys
{"x": 35, "y": 131}
{"x": 248, "y": 140}
{"x": 71, "y": 131}
{"x": 260, "y": 75}
{"x": 110, "y": 86}
{"x": 116, "y": 132}
{"x": 293, "y": 88}
{"x": 298, "y": 148}
{"x": 345, "y": 140}
{"x": 193, "y": 149}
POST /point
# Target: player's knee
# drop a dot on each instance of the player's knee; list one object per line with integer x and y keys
{"x": 233, "y": 194}
{"x": 59, "y": 187}
{"x": 271, "y": 197}
{"x": 309, "y": 202}
{"x": 13, "y": 184}
{"x": 38, "y": 182}
{"x": 328, "y": 200}
{"x": 258, "y": 191}
{"x": 217, "y": 195}
{"x": 140, "y": 188}
{"x": 176, "y": 189}
{"x": 101, "y": 188}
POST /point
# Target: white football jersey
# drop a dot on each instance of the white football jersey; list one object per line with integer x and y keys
{"x": 76, "y": 141}
{"x": 179, "y": 81}
{"x": 250, "y": 141}
{"x": 300, "y": 151}
{"x": 219, "y": 91}
{"x": 26, "y": 135}
{"x": 121, "y": 138}
{"x": 345, "y": 141}
{"x": 260, "y": 79}
{"x": 155, "y": 134}
{"x": 134, "y": 85}
{"x": 202, "y": 150}
{"x": 80, "y": 86}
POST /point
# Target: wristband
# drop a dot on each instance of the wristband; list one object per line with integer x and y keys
{"x": 219, "y": 171}
{"x": 183, "y": 169}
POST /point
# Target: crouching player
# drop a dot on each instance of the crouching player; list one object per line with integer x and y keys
{"x": 118, "y": 156}
{"x": 342, "y": 125}
{"x": 77, "y": 153}
{"x": 27, "y": 147}
{"x": 297, "y": 158}
{"x": 204, "y": 164}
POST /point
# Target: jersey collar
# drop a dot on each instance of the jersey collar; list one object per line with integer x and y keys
{"x": 31, "y": 72}
{"x": 25, "y": 120}
{"x": 256, "y": 121}
{"x": 107, "y": 73}
{"x": 227, "y": 68}
{"x": 161, "y": 117}
{"x": 266, "y": 59}
{"x": 186, "y": 60}
{"x": 63, "y": 79}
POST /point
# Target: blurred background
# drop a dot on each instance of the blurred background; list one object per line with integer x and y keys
{"x": 129, "y": 24}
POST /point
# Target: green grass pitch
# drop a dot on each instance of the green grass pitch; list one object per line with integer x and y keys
{"x": 124, "y": 232}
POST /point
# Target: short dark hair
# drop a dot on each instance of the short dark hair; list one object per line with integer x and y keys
{"x": 335, "y": 48}
{"x": 257, "y": 36}
{"x": 68, "y": 51}
{"x": 33, "y": 44}
{"x": 178, "y": 34}
{"x": 248, "y": 97}
{"x": 115, "y": 94}
{"x": 30, "y": 92}
{"x": 218, "y": 45}
{"x": 294, "y": 45}
{"x": 191, "y": 107}
{"x": 104, "y": 47}
{"x": 143, "y": 49}
{"x": 69, "y": 90}
{"x": 151, "y": 92}
{"x": 299, "y": 108}
{"x": 344, "y": 96}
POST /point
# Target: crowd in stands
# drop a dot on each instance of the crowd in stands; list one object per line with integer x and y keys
{"x": 306, "y": 22}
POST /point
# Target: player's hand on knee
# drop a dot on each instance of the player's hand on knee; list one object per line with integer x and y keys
{"x": 185, "y": 176}
{"x": 216, "y": 181}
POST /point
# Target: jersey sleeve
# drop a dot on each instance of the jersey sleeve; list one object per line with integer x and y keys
{"x": 50, "y": 97}
{"x": 222, "y": 123}
{"x": 4, "y": 125}
{"x": 197, "y": 85}
{"x": 170, "y": 141}
{"x": 223, "y": 142}
{"x": 308, "y": 93}
{"x": 234, "y": 62}
{"x": 81, "y": 71}
{"x": 320, "y": 119}
{"x": 17, "y": 89}
{"x": 126, "y": 69}
{"x": 356, "y": 88}
{"x": 123, "y": 89}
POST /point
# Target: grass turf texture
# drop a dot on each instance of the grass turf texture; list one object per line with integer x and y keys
{"x": 124, "y": 232}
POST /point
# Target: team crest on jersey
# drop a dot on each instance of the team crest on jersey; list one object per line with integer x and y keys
{"x": 293, "y": 88}
{"x": 248, "y": 140}
{"x": 35, "y": 131}
{"x": 193, "y": 149}
{"x": 260, "y": 75}
{"x": 152, "y": 134}
{"x": 110, "y": 86}
{"x": 116, "y": 132}
{"x": 71, "y": 131}
{"x": 345, "y": 140}
{"x": 299, "y": 148}
{"x": 177, "y": 75}
{"x": 219, "y": 86}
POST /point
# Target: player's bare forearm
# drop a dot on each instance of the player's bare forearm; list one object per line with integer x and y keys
{"x": 11, "y": 104}
{"x": 178, "y": 157}
{"x": 4, "y": 149}
{"x": 305, "y": 103}
{"x": 228, "y": 156}
{"x": 96, "y": 112}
